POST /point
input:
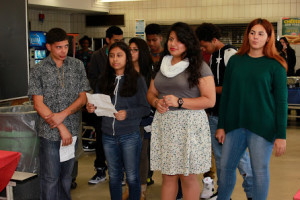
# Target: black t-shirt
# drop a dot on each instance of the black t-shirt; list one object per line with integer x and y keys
{"x": 217, "y": 63}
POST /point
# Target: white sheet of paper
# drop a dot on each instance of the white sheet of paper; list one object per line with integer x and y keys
{"x": 67, "y": 152}
{"x": 148, "y": 128}
{"x": 103, "y": 104}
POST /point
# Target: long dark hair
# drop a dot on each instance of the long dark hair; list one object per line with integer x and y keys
{"x": 269, "y": 48}
{"x": 107, "y": 83}
{"x": 186, "y": 36}
{"x": 145, "y": 60}
{"x": 287, "y": 42}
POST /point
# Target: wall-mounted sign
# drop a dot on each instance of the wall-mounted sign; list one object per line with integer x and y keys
{"x": 140, "y": 28}
{"x": 291, "y": 30}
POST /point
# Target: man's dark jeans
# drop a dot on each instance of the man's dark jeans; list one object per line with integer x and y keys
{"x": 55, "y": 176}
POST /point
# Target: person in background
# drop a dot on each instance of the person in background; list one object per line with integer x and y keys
{"x": 141, "y": 58}
{"x": 99, "y": 57}
{"x": 121, "y": 134}
{"x": 297, "y": 74}
{"x": 253, "y": 109}
{"x": 96, "y": 69}
{"x": 209, "y": 36}
{"x": 142, "y": 63}
{"x": 85, "y": 54}
{"x": 57, "y": 86}
{"x": 206, "y": 56}
{"x": 279, "y": 48}
{"x": 154, "y": 41}
{"x": 180, "y": 91}
{"x": 290, "y": 56}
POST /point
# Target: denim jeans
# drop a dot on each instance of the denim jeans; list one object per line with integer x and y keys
{"x": 55, "y": 176}
{"x": 233, "y": 148}
{"x": 244, "y": 165}
{"x": 123, "y": 149}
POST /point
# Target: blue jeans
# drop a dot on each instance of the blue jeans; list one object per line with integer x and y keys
{"x": 233, "y": 148}
{"x": 244, "y": 165}
{"x": 55, "y": 176}
{"x": 123, "y": 149}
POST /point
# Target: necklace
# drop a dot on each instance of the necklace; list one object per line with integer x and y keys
{"x": 61, "y": 78}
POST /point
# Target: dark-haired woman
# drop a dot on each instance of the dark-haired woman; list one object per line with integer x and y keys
{"x": 141, "y": 58}
{"x": 279, "y": 49}
{"x": 180, "y": 91}
{"x": 289, "y": 55}
{"x": 253, "y": 109}
{"x": 84, "y": 54}
{"x": 142, "y": 62}
{"x": 121, "y": 136}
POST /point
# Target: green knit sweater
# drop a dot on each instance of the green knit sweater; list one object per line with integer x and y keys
{"x": 254, "y": 97}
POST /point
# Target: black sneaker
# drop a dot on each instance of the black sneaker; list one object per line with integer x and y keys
{"x": 150, "y": 181}
{"x": 100, "y": 176}
{"x": 88, "y": 147}
{"x": 73, "y": 185}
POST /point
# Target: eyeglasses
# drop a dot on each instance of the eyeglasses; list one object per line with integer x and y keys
{"x": 133, "y": 50}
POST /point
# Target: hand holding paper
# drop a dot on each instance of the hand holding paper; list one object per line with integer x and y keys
{"x": 67, "y": 152}
{"x": 103, "y": 104}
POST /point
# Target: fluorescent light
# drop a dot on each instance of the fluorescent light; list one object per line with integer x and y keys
{"x": 117, "y": 0}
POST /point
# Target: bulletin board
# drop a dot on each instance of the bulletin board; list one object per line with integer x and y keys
{"x": 14, "y": 59}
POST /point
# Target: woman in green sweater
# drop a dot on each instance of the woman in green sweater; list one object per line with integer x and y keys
{"x": 253, "y": 109}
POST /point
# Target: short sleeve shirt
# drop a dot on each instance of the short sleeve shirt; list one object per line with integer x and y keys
{"x": 60, "y": 87}
{"x": 179, "y": 85}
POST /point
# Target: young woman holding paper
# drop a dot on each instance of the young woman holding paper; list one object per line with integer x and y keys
{"x": 121, "y": 135}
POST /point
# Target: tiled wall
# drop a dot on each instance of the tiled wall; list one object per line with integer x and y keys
{"x": 71, "y": 23}
{"x": 170, "y": 11}
{"x": 198, "y": 11}
{"x": 53, "y": 18}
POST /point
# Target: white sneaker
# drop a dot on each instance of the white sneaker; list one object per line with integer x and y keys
{"x": 123, "y": 181}
{"x": 214, "y": 197}
{"x": 208, "y": 188}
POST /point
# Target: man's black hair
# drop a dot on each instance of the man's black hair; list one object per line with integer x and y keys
{"x": 85, "y": 38}
{"x": 113, "y": 30}
{"x": 56, "y": 35}
{"x": 207, "y": 32}
{"x": 152, "y": 29}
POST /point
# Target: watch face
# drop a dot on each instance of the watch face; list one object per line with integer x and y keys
{"x": 180, "y": 101}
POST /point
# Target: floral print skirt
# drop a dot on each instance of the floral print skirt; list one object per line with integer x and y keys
{"x": 180, "y": 142}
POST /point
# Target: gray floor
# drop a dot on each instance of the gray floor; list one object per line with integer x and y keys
{"x": 284, "y": 172}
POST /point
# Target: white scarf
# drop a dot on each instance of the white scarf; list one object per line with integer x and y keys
{"x": 169, "y": 70}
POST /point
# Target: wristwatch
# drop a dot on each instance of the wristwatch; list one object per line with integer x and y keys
{"x": 180, "y": 102}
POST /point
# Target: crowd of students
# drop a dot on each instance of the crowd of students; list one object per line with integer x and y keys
{"x": 171, "y": 105}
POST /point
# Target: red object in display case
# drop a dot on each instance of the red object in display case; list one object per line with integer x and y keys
{"x": 73, "y": 43}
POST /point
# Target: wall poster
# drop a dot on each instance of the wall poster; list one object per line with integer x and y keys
{"x": 291, "y": 29}
{"x": 140, "y": 28}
